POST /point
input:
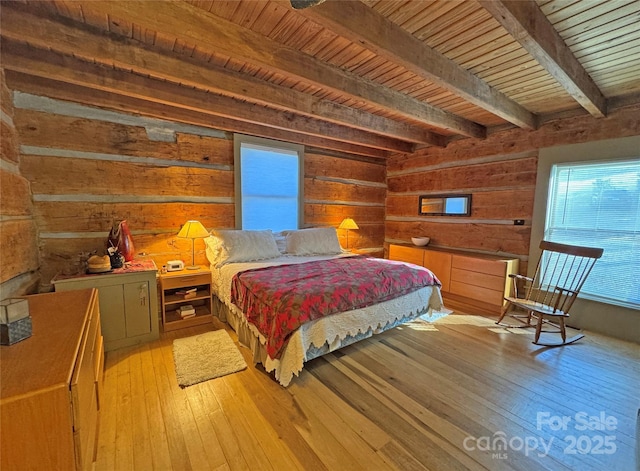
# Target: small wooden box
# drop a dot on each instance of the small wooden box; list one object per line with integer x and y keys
{"x": 15, "y": 331}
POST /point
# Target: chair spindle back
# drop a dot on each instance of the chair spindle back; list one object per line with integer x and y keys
{"x": 561, "y": 273}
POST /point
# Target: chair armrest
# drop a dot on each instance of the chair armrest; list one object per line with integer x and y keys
{"x": 520, "y": 277}
{"x": 516, "y": 277}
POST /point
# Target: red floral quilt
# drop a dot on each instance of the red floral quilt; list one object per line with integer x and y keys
{"x": 279, "y": 299}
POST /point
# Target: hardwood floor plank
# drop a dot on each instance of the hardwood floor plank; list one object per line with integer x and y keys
{"x": 247, "y": 441}
{"x": 105, "y": 457}
{"x": 279, "y": 409}
{"x": 229, "y": 441}
{"x": 401, "y": 458}
{"x": 453, "y": 404}
{"x": 544, "y": 381}
{"x": 367, "y": 430}
{"x": 539, "y": 398}
{"x": 141, "y": 436}
{"x": 276, "y": 451}
{"x": 193, "y": 441}
{"x": 446, "y": 433}
{"x": 124, "y": 439}
{"x": 171, "y": 418}
{"x": 578, "y": 366}
{"x": 161, "y": 457}
{"x": 407, "y": 432}
{"x": 357, "y": 449}
{"x": 201, "y": 401}
{"x": 419, "y": 397}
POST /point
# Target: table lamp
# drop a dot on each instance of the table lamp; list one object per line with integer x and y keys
{"x": 193, "y": 230}
{"x": 348, "y": 224}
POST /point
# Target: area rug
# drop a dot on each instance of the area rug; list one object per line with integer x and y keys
{"x": 206, "y": 356}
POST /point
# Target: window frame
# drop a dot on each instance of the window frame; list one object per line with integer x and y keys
{"x": 557, "y": 223}
{"x": 269, "y": 145}
{"x": 590, "y": 152}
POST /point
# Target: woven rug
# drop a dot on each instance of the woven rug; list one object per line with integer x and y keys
{"x": 206, "y": 356}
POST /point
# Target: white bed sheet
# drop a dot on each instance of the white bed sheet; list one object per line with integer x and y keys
{"x": 331, "y": 329}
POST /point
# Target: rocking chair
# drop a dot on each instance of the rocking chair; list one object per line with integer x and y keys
{"x": 548, "y": 296}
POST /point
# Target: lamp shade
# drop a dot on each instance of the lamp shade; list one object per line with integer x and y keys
{"x": 193, "y": 230}
{"x": 348, "y": 223}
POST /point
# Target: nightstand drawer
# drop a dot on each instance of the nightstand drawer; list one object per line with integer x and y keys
{"x": 169, "y": 282}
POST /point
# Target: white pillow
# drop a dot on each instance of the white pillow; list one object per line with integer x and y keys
{"x": 213, "y": 248}
{"x": 315, "y": 241}
{"x": 242, "y": 246}
{"x": 281, "y": 240}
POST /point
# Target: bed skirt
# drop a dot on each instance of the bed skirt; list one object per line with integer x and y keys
{"x": 296, "y": 353}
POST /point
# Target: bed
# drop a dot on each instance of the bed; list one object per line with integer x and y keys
{"x": 239, "y": 258}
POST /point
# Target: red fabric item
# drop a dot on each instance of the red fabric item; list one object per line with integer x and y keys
{"x": 120, "y": 238}
{"x": 279, "y": 299}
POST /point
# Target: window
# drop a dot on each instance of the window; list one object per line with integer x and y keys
{"x": 269, "y": 184}
{"x": 597, "y": 204}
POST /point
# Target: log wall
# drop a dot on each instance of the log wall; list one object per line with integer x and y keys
{"x": 18, "y": 233}
{"x": 499, "y": 172}
{"x": 89, "y": 167}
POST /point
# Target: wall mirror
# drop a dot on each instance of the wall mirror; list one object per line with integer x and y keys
{"x": 445, "y": 205}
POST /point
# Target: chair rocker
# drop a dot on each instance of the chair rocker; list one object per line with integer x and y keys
{"x": 548, "y": 296}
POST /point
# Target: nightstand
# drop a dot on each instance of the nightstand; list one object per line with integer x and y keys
{"x": 172, "y": 284}
{"x": 128, "y": 299}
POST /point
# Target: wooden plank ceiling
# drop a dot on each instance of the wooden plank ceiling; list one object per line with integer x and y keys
{"x": 369, "y": 77}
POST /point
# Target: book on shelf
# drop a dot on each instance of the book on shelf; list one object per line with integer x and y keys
{"x": 187, "y": 293}
{"x": 187, "y": 310}
{"x": 185, "y": 315}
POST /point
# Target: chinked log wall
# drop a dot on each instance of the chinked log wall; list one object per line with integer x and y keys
{"x": 499, "y": 172}
{"x": 18, "y": 240}
{"x": 90, "y": 167}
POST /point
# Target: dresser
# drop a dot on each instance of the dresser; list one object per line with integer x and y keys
{"x": 51, "y": 385}
{"x": 128, "y": 302}
{"x": 477, "y": 282}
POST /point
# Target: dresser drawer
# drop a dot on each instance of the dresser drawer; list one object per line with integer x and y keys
{"x": 475, "y": 282}
{"x": 83, "y": 380}
{"x": 49, "y": 403}
{"x": 440, "y": 264}
{"x": 475, "y": 278}
{"x": 480, "y": 265}
{"x": 99, "y": 370}
{"x": 84, "y": 394}
{"x": 485, "y": 295}
{"x": 406, "y": 254}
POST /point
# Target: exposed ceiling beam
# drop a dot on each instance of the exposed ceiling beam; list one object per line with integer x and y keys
{"x": 524, "y": 20}
{"x": 81, "y": 41}
{"x": 70, "y": 70}
{"x": 210, "y": 32}
{"x": 364, "y": 26}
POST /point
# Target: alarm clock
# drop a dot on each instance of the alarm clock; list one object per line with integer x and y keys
{"x": 175, "y": 265}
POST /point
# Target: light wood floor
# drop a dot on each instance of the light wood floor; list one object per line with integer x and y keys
{"x": 417, "y": 397}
